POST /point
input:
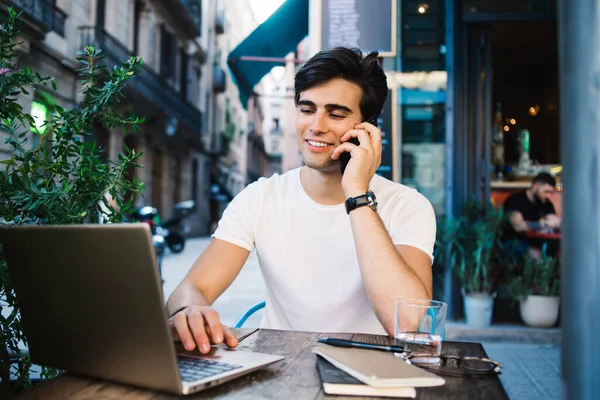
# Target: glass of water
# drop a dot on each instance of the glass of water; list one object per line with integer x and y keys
{"x": 419, "y": 326}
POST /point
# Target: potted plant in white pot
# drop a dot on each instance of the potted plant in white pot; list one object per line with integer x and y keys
{"x": 537, "y": 287}
{"x": 471, "y": 245}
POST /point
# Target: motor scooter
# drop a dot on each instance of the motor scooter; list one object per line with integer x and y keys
{"x": 173, "y": 229}
{"x": 149, "y": 215}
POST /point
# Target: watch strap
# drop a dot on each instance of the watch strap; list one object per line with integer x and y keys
{"x": 367, "y": 199}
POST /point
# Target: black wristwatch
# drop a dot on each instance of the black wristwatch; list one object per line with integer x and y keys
{"x": 368, "y": 199}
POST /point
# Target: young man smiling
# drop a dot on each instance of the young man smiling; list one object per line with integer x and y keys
{"x": 333, "y": 258}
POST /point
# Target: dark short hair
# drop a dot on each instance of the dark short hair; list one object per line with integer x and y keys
{"x": 347, "y": 64}
{"x": 544, "y": 177}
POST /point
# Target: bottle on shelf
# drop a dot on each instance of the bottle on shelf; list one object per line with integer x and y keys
{"x": 524, "y": 160}
{"x": 498, "y": 144}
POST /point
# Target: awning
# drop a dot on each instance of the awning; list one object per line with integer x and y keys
{"x": 267, "y": 45}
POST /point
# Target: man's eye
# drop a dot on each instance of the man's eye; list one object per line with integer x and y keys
{"x": 306, "y": 111}
{"x": 337, "y": 116}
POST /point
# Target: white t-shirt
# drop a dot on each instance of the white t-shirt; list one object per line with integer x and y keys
{"x": 307, "y": 254}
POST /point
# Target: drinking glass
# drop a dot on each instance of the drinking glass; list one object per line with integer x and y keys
{"x": 419, "y": 326}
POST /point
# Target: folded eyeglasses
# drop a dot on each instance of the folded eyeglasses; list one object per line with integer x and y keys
{"x": 452, "y": 365}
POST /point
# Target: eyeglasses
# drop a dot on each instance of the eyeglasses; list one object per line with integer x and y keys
{"x": 453, "y": 365}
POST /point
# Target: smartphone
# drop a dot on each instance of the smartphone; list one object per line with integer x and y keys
{"x": 345, "y": 156}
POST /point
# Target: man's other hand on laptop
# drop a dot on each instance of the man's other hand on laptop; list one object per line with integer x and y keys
{"x": 200, "y": 326}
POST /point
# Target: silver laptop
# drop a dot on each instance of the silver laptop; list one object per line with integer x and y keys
{"x": 91, "y": 303}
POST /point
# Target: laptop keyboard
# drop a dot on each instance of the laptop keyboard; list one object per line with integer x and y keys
{"x": 193, "y": 369}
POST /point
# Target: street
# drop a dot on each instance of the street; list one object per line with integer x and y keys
{"x": 247, "y": 289}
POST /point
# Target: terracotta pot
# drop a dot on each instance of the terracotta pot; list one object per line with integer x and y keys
{"x": 540, "y": 311}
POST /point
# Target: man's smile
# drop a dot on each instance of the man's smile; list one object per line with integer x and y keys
{"x": 317, "y": 145}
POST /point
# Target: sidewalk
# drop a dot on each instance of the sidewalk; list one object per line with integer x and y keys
{"x": 531, "y": 357}
{"x": 247, "y": 289}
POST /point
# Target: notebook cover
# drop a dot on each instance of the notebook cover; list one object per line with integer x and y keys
{"x": 336, "y": 381}
{"x": 377, "y": 368}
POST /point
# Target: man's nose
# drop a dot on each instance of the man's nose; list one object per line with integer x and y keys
{"x": 319, "y": 123}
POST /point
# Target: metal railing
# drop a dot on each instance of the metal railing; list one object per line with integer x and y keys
{"x": 220, "y": 21}
{"x": 219, "y": 79}
{"x": 149, "y": 84}
{"x": 44, "y": 12}
{"x": 219, "y": 144}
{"x": 195, "y": 9}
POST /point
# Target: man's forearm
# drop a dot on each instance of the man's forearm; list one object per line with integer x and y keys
{"x": 520, "y": 225}
{"x": 386, "y": 275}
{"x": 186, "y": 294}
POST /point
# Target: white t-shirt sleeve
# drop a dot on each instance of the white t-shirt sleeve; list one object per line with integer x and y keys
{"x": 238, "y": 223}
{"x": 415, "y": 223}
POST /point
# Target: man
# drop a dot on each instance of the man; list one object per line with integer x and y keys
{"x": 326, "y": 268}
{"x": 531, "y": 210}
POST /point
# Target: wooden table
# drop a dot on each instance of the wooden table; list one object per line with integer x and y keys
{"x": 293, "y": 378}
{"x": 543, "y": 235}
{"x": 548, "y": 242}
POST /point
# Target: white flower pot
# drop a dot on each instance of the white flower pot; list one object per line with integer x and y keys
{"x": 479, "y": 308}
{"x": 540, "y": 311}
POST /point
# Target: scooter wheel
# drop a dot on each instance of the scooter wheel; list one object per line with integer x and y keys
{"x": 176, "y": 244}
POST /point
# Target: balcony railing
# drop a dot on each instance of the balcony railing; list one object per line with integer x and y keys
{"x": 43, "y": 12}
{"x": 220, "y": 22}
{"x": 148, "y": 84}
{"x": 219, "y": 144}
{"x": 219, "y": 81}
{"x": 187, "y": 13}
{"x": 195, "y": 11}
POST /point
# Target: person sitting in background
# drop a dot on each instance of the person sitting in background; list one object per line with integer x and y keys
{"x": 531, "y": 210}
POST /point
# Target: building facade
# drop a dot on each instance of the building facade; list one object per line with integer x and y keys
{"x": 274, "y": 91}
{"x": 172, "y": 92}
{"x": 236, "y": 124}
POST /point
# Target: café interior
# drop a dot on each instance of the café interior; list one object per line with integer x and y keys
{"x": 502, "y": 118}
{"x": 525, "y": 125}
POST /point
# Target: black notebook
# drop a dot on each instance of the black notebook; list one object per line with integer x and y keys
{"x": 336, "y": 381}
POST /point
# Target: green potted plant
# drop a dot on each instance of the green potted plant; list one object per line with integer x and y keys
{"x": 537, "y": 288}
{"x": 60, "y": 178}
{"x": 471, "y": 244}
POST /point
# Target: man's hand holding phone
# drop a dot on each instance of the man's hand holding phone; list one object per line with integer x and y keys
{"x": 365, "y": 157}
{"x": 200, "y": 326}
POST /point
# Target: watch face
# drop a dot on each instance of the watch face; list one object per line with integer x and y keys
{"x": 371, "y": 197}
{"x": 372, "y": 200}
{"x": 368, "y": 199}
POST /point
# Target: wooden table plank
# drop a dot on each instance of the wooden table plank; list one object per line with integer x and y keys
{"x": 293, "y": 378}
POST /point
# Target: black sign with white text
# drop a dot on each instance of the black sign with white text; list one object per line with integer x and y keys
{"x": 363, "y": 24}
